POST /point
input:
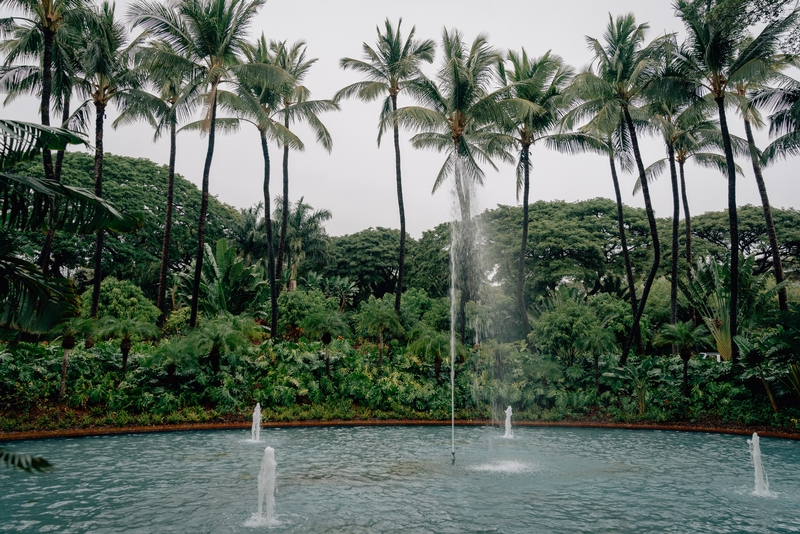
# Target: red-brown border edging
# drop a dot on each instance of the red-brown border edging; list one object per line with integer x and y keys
{"x": 103, "y": 431}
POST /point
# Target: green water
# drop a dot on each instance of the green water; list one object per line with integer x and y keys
{"x": 400, "y": 479}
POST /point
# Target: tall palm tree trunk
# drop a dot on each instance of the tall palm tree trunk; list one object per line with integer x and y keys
{"x": 734, "y": 226}
{"x": 624, "y": 243}
{"x": 162, "y": 273}
{"x": 688, "y": 222}
{"x": 523, "y": 309}
{"x": 100, "y": 110}
{"x": 401, "y": 207}
{"x": 47, "y": 157}
{"x": 47, "y": 247}
{"x": 284, "y": 212}
{"x": 676, "y": 216}
{"x": 273, "y": 289}
{"x": 773, "y": 237}
{"x": 201, "y": 226}
{"x": 651, "y": 219}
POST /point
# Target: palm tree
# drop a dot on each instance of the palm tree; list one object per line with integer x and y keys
{"x": 536, "y": 103}
{"x": 105, "y": 73}
{"x": 297, "y": 107}
{"x": 623, "y": 69}
{"x": 305, "y": 236}
{"x": 126, "y": 328}
{"x": 55, "y": 25}
{"x": 745, "y": 89}
{"x": 687, "y": 338}
{"x": 207, "y": 37}
{"x": 256, "y": 100}
{"x": 388, "y": 69}
{"x": 719, "y": 58}
{"x": 173, "y": 103}
{"x": 224, "y": 335}
{"x": 377, "y": 319}
{"x": 45, "y": 18}
{"x": 68, "y": 331}
{"x": 607, "y": 126}
{"x": 326, "y": 325}
{"x": 460, "y": 116}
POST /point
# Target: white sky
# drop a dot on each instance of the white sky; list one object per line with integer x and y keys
{"x": 357, "y": 181}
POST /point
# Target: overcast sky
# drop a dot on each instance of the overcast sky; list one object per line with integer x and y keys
{"x": 356, "y": 182}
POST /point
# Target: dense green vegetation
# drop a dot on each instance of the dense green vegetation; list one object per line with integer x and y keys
{"x": 187, "y": 310}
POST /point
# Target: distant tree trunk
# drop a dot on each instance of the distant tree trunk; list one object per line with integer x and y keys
{"x": 624, "y": 243}
{"x": 688, "y": 221}
{"x": 125, "y": 349}
{"x": 201, "y": 226}
{"x": 284, "y": 212}
{"x": 47, "y": 247}
{"x": 734, "y": 227}
{"x": 100, "y": 110}
{"x": 68, "y": 343}
{"x": 651, "y": 218}
{"x": 380, "y": 348}
{"x": 401, "y": 261}
{"x": 676, "y": 216}
{"x": 773, "y": 236}
{"x": 165, "y": 246}
{"x": 522, "y": 308}
{"x": 273, "y": 289}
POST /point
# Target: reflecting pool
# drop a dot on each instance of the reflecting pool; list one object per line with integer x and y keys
{"x": 400, "y": 479}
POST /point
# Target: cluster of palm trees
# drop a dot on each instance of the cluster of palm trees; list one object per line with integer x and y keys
{"x": 483, "y": 105}
{"x": 193, "y": 56}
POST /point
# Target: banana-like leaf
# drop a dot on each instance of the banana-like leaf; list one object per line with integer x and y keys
{"x": 27, "y": 204}
{"x": 24, "y": 141}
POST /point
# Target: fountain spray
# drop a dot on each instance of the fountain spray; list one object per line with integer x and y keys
{"x": 761, "y": 479}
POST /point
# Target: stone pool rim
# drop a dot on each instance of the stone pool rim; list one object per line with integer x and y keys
{"x": 184, "y": 427}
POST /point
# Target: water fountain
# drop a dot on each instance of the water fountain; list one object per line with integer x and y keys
{"x": 762, "y": 481}
{"x": 255, "y": 430}
{"x": 509, "y": 434}
{"x": 266, "y": 487}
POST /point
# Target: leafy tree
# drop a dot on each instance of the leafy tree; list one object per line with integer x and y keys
{"x": 429, "y": 268}
{"x": 121, "y": 299}
{"x": 597, "y": 341}
{"x": 126, "y": 328}
{"x": 688, "y": 338}
{"x": 561, "y": 321}
{"x": 429, "y": 343}
{"x": 136, "y": 186}
{"x": 206, "y": 37}
{"x": 388, "y": 69}
{"x": 640, "y": 376}
{"x": 297, "y": 305}
{"x": 368, "y": 258}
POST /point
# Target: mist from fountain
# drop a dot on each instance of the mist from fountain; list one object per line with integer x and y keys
{"x": 761, "y": 479}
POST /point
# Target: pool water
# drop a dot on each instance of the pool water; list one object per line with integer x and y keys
{"x": 401, "y": 479}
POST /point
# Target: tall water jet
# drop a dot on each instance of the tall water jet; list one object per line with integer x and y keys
{"x": 762, "y": 481}
{"x": 509, "y": 434}
{"x": 255, "y": 430}
{"x": 266, "y": 485}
